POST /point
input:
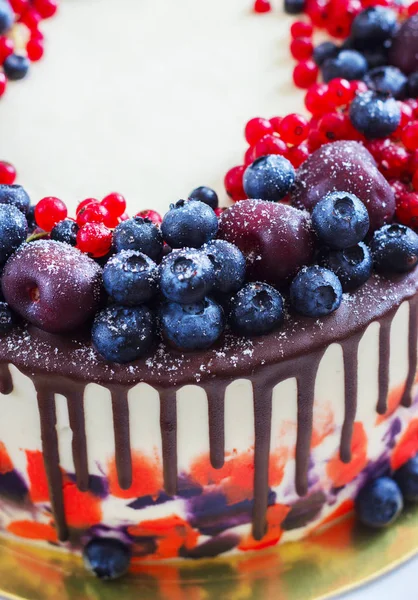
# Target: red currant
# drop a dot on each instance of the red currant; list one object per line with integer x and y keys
{"x": 318, "y": 12}
{"x": 46, "y": 8}
{"x": 85, "y": 203}
{"x": 275, "y": 121}
{"x": 124, "y": 217}
{"x": 298, "y": 154}
{"x": 315, "y": 140}
{"x": 294, "y": 129}
{"x": 115, "y": 204}
{"x": 50, "y": 211}
{"x": 31, "y": 18}
{"x": 305, "y": 74}
{"x": 413, "y": 9}
{"x": 406, "y": 116}
{"x": 95, "y": 239}
{"x": 340, "y": 92}
{"x": 219, "y": 211}
{"x": 399, "y": 188}
{"x": 35, "y": 49}
{"x": 234, "y": 184}
{"x": 301, "y": 48}
{"x": 249, "y": 156}
{"x": 3, "y": 83}
{"x": 300, "y": 29}
{"x": 92, "y": 213}
{"x": 6, "y": 48}
{"x": 407, "y": 210}
{"x": 333, "y": 126}
{"x": 262, "y": 6}
{"x": 257, "y": 128}
{"x": 152, "y": 215}
{"x": 316, "y": 99}
{"x": 394, "y": 161}
{"x": 358, "y": 87}
{"x": 269, "y": 144}
{"x": 409, "y": 136}
{"x": 19, "y": 6}
{"x": 7, "y": 173}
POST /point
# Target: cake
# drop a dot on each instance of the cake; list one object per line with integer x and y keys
{"x": 277, "y": 390}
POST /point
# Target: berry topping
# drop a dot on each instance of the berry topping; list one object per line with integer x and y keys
{"x": 115, "y": 204}
{"x": 65, "y": 231}
{"x": 315, "y": 292}
{"x": 269, "y": 178}
{"x": 407, "y": 479}
{"x": 7, "y": 172}
{"x": 404, "y": 50}
{"x": 206, "y": 195}
{"x": 15, "y": 195}
{"x": 256, "y": 309}
{"x": 131, "y": 278}
{"x": 234, "y": 183}
{"x": 387, "y": 80}
{"x": 91, "y": 212}
{"x": 324, "y": 51}
{"x": 294, "y": 129}
{"x": 50, "y": 211}
{"x": 139, "y": 234}
{"x": 151, "y": 215}
{"x": 228, "y": 263}
{"x": 256, "y": 129}
{"x": 348, "y": 64}
{"x": 262, "y": 6}
{"x": 305, "y": 74}
{"x": 276, "y": 239}
{"x": 16, "y": 67}
{"x": 7, "y": 319}
{"x": 353, "y": 266}
{"x": 121, "y": 334}
{"x": 394, "y": 249}
{"x": 13, "y": 230}
{"x": 52, "y": 285}
{"x": 94, "y": 239}
{"x": 194, "y": 326}
{"x": 340, "y": 220}
{"x": 189, "y": 223}
{"x": 379, "y": 503}
{"x": 6, "y": 16}
{"x": 345, "y": 166}
{"x": 107, "y": 558}
{"x": 373, "y": 26}
{"x": 187, "y": 276}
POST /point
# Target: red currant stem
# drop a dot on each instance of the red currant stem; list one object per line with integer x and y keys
{"x": 37, "y": 236}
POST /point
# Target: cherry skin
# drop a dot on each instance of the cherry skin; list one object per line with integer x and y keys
{"x": 345, "y": 166}
{"x": 52, "y": 285}
{"x": 275, "y": 238}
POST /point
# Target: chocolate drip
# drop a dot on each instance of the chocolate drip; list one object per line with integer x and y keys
{"x": 168, "y": 423}
{"x": 262, "y": 400}
{"x": 216, "y": 405}
{"x": 123, "y": 456}
{"x": 412, "y": 352}
{"x": 384, "y": 358}
{"x": 75, "y": 403}
{"x": 48, "y": 419}
{"x": 6, "y": 381}
{"x": 306, "y": 378}
{"x": 350, "y": 354}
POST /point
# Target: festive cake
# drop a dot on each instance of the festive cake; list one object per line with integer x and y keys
{"x": 219, "y": 379}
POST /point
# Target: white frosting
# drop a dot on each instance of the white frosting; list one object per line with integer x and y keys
{"x": 146, "y": 98}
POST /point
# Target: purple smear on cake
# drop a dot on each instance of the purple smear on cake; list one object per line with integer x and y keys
{"x": 304, "y": 511}
{"x": 13, "y": 487}
{"x": 394, "y": 430}
{"x": 211, "y": 548}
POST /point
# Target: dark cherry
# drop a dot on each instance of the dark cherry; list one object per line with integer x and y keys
{"x": 404, "y": 50}
{"x": 345, "y": 166}
{"x": 276, "y": 239}
{"x": 52, "y": 285}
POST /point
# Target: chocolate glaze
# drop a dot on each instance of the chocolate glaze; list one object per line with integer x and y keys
{"x": 64, "y": 365}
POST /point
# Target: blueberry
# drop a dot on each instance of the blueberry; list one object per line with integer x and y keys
{"x": 30, "y": 218}
{"x": 353, "y": 266}
{"x": 315, "y": 292}
{"x": 6, "y": 17}
{"x": 413, "y": 85}
{"x": 349, "y": 64}
{"x": 65, "y": 231}
{"x": 256, "y": 309}
{"x": 377, "y": 57}
{"x": 187, "y": 276}
{"x": 373, "y": 26}
{"x": 340, "y": 220}
{"x": 269, "y": 178}
{"x": 194, "y": 326}
{"x": 394, "y": 249}
{"x": 15, "y": 195}
{"x": 324, "y": 51}
{"x": 16, "y": 67}
{"x": 189, "y": 223}
{"x": 379, "y": 503}
{"x": 294, "y": 7}
{"x": 374, "y": 114}
{"x": 13, "y": 230}
{"x": 107, "y": 558}
{"x": 229, "y": 264}
{"x": 387, "y": 80}
{"x": 123, "y": 334}
{"x": 206, "y": 195}
{"x": 407, "y": 479}
{"x": 6, "y": 318}
{"x": 131, "y": 278}
{"x": 139, "y": 234}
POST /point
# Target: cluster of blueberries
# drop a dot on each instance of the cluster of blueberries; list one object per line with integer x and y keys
{"x": 15, "y": 66}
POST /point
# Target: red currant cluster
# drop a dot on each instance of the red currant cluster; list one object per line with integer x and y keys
{"x": 95, "y": 220}
{"x": 29, "y": 13}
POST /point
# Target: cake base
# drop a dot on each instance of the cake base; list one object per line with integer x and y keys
{"x": 336, "y": 560}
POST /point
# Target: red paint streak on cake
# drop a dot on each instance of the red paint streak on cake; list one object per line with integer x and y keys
{"x": 341, "y": 473}
{"x": 323, "y": 424}
{"x": 6, "y": 464}
{"x": 82, "y": 509}
{"x": 172, "y": 533}
{"x": 275, "y": 517}
{"x": 407, "y": 446}
{"x": 146, "y": 477}
{"x": 31, "y": 530}
{"x": 38, "y": 481}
